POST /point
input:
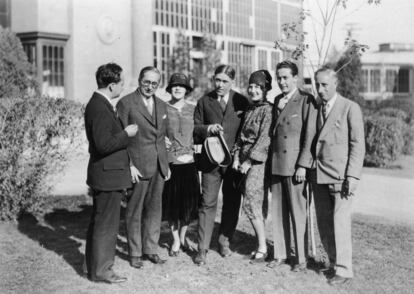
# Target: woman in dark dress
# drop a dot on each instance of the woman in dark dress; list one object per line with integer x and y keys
{"x": 181, "y": 193}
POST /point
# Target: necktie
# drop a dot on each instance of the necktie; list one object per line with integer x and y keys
{"x": 282, "y": 103}
{"x": 325, "y": 111}
{"x": 223, "y": 104}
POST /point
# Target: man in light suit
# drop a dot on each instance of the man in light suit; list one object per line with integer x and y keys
{"x": 339, "y": 150}
{"x": 108, "y": 173}
{"x": 149, "y": 167}
{"x": 290, "y": 158}
{"x": 218, "y": 111}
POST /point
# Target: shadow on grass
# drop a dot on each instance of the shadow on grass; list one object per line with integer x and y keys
{"x": 63, "y": 230}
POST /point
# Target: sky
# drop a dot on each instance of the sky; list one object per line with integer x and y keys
{"x": 389, "y": 21}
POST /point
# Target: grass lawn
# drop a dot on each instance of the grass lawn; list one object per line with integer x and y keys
{"x": 45, "y": 255}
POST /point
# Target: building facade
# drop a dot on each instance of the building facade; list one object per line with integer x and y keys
{"x": 389, "y": 72}
{"x": 68, "y": 39}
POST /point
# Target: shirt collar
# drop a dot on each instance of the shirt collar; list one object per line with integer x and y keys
{"x": 331, "y": 101}
{"x": 290, "y": 94}
{"x": 225, "y": 97}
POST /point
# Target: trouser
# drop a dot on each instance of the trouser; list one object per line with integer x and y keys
{"x": 102, "y": 233}
{"x": 333, "y": 214}
{"x": 143, "y": 216}
{"x": 210, "y": 184}
{"x": 289, "y": 204}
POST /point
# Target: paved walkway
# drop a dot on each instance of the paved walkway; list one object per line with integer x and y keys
{"x": 389, "y": 197}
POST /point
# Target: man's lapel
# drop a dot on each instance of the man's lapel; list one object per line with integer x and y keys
{"x": 332, "y": 117}
{"x": 158, "y": 114}
{"x": 289, "y": 107}
{"x": 229, "y": 112}
{"x": 142, "y": 108}
{"x": 214, "y": 105}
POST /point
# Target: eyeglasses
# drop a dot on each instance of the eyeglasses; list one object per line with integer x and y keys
{"x": 149, "y": 83}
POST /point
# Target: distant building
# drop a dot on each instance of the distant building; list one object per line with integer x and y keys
{"x": 68, "y": 39}
{"x": 389, "y": 72}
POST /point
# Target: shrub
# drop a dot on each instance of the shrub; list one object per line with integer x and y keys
{"x": 408, "y": 148}
{"x": 384, "y": 140}
{"x": 407, "y": 127}
{"x": 393, "y": 112}
{"x": 15, "y": 71}
{"x": 36, "y": 137}
{"x": 404, "y": 104}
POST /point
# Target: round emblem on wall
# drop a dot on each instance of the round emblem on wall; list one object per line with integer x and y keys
{"x": 108, "y": 30}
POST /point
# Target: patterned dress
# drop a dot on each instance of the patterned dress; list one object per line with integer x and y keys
{"x": 253, "y": 143}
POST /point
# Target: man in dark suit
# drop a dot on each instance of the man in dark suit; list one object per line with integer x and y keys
{"x": 219, "y": 111}
{"x": 108, "y": 172}
{"x": 149, "y": 166}
{"x": 339, "y": 150}
{"x": 290, "y": 157}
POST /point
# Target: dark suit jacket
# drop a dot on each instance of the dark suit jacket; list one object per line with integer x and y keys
{"x": 340, "y": 144}
{"x": 108, "y": 168}
{"x": 147, "y": 149}
{"x": 208, "y": 111}
{"x": 291, "y": 138}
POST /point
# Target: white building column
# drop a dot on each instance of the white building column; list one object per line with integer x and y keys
{"x": 142, "y": 40}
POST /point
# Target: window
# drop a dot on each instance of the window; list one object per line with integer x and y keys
{"x": 46, "y": 51}
{"x": 241, "y": 57}
{"x": 403, "y": 80}
{"x": 266, "y": 20}
{"x": 162, "y": 54}
{"x": 375, "y": 81}
{"x": 238, "y": 19}
{"x": 262, "y": 59}
{"x": 171, "y": 13}
{"x": 274, "y": 59}
{"x": 5, "y": 13}
{"x": 207, "y": 16}
{"x": 390, "y": 80}
{"x": 364, "y": 80}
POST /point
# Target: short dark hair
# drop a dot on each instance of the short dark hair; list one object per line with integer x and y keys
{"x": 290, "y": 65}
{"x": 107, "y": 74}
{"x": 147, "y": 69}
{"x": 226, "y": 69}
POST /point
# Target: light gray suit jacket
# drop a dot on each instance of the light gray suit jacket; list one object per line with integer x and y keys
{"x": 340, "y": 144}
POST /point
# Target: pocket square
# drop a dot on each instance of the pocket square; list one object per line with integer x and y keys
{"x": 337, "y": 123}
{"x": 164, "y": 117}
{"x": 295, "y": 115}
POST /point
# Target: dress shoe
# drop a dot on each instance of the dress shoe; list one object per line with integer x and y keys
{"x": 259, "y": 257}
{"x": 200, "y": 258}
{"x": 277, "y": 262}
{"x": 154, "y": 258}
{"x": 328, "y": 271}
{"x": 299, "y": 267}
{"x": 337, "y": 280}
{"x": 224, "y": 250}
{"x": 173, "y": 253}
{"x": 136, "y": 262}
{"x": 112, "y": 278}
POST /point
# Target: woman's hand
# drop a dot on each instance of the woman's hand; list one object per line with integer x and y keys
{"x": 236, "y": 164}
{"x": 245, "y": 166}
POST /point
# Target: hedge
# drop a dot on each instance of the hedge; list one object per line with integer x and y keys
{"x": 17, "y": 74}
{"x": 37, "y": 135}
{"x": 384, "y": 139}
